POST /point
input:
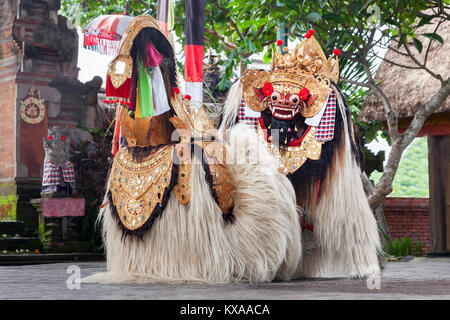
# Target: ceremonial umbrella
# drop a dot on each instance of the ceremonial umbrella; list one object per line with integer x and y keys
{"x": 103, "y": 34}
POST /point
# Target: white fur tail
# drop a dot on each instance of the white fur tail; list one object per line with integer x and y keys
{"x": 230, "y": 109}
{"x": 346, "y": 240}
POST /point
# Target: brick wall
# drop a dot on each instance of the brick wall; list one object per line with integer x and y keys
{"x": 409, "y": 217}
{"x": 7, "y": 137}
{"x": 8, "y": 69}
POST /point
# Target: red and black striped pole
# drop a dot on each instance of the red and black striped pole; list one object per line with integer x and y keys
{"x": 193, "y": 50}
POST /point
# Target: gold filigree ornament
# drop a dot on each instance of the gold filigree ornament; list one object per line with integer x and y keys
{"x": 135, "y": 130}
{"x": 291, "y": 158}
{"x": 182, "y": 189}
{"x": 222, "y": 182}
{"x": 195, "y": 127}
{"x": 134, "y": 27}
{"x": 120, "y": 69}
{"x": 252, "y": 81}
{"x": 195, "y": 120}
{"x": 307, "y": 57}
{"x": 305, "y": 67}
{"x": 138, "y": 187}
{"x": 118, "y": 82}
{"x": 32, "y": 107}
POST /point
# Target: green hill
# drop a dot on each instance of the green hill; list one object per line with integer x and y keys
{"x": 411, "y": 179}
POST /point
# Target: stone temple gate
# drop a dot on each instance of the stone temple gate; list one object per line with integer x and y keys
{"x": 38, "y": 89}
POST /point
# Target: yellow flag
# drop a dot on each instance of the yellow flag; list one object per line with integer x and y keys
{"x": 137, "y": 112}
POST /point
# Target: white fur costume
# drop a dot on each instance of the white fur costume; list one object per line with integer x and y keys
{"x": 192, "y": 243}
{"x": 345, "y": 241}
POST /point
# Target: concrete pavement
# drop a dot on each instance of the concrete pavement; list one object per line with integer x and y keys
{"x": 420, "y": 278}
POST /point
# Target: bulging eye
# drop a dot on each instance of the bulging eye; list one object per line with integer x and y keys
{"x": 276, "y": 96}
{"x": 294, "y": 99}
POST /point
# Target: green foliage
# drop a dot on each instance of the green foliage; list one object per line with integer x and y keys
{"x": 92, "y": 163}
{"x": 8, "y": 205}
{"x": 411, "y": 179}
{"x": 404, "y": 247}
{"x": 368, "y": 131}
{"x": 44, "y": 236}
{"x": 83, "y": 11}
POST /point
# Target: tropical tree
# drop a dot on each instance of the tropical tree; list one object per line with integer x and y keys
{"x": 411, "y": 179}
{"x": 365, "y": 26}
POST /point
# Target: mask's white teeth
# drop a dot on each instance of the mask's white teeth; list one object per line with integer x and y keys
{"x": 277, "y": 109}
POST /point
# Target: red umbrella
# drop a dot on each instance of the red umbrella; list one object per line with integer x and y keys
{"x": 103, "y": 34}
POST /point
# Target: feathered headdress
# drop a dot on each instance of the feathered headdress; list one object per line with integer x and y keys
{"x": 134, "y": 80}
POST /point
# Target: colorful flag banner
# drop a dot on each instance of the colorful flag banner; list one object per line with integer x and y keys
{"x": 165, "y": 15}
{"x": 194, "y": 49}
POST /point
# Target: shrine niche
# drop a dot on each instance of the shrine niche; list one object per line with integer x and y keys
{"x": 57, "y": 204}
{"x": 59, "y": 174}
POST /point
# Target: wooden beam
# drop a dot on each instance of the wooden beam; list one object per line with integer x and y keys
{"x": 447, "y": 203}
{"x": 438, "y": 155}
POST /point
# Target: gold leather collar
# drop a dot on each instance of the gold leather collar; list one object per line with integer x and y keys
{"x": 137, "y": 187}
{"x": 291, "y": 158}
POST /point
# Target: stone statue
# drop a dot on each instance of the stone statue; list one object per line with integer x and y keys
{"x": 58, "y": 178}
{"x": 211, "y": 78}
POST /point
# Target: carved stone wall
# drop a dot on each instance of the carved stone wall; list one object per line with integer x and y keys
{"x": 37, "y": 48}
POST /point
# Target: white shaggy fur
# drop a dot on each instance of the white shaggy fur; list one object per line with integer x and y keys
{"x": 230, "y": 109}
{"x": 345, "y": 242}
{"x": 192, "y": 242}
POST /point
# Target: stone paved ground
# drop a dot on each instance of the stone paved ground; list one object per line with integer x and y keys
{"x": 421, "y": 278}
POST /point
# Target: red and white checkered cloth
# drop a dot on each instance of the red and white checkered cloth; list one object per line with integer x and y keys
{"x": 325, "y": 130}
{"x": 251, "y": 121}
{"x": 52, "y": 173}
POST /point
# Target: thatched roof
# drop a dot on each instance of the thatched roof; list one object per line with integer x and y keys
{"x": 407, "y": 89}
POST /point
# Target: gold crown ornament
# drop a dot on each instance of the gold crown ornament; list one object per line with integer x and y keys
{"x": 298, "y": 82}
{"x": 194, "y": 120}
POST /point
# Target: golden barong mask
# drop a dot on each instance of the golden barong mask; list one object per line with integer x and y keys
{"x": 299, "y": 82}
